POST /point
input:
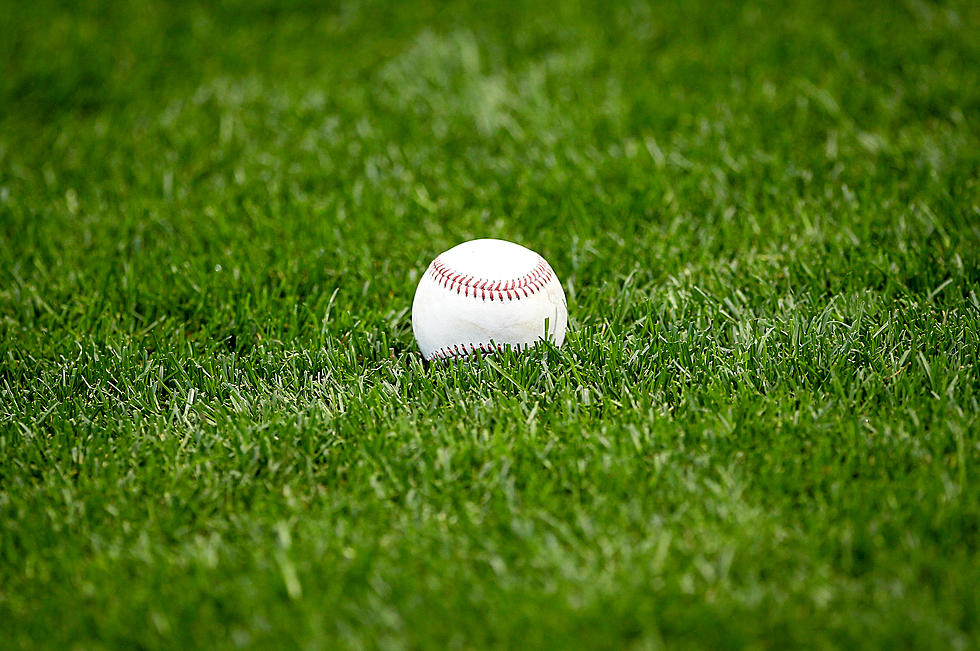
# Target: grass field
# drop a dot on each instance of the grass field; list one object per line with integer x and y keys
{"x": 763, "y": 430}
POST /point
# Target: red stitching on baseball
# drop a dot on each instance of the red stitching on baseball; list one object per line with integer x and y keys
{"x": 454, "y": 352}
{"x": 530, "y": 283}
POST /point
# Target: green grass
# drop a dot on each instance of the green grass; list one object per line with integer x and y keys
{"x": 763, "y": 429}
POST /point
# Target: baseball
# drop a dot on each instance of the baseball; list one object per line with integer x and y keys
{"x": 483, "y": 295}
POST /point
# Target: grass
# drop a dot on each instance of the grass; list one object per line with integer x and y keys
{"x": 762, "y": 431}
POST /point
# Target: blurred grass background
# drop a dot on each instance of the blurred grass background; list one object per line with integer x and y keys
{"x": 215, "y": 429}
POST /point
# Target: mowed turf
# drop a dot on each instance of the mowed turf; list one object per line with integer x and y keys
{"x": 762, "y": 430}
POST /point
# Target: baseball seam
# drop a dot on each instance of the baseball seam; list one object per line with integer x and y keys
{"x": 465, "y": 350}
{"x": 510, "y": 290}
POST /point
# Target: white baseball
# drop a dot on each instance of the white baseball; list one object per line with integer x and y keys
{"x": 483, "y": 295}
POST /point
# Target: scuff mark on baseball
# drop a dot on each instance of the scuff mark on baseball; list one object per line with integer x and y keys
{"x": 482, "y": 295}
